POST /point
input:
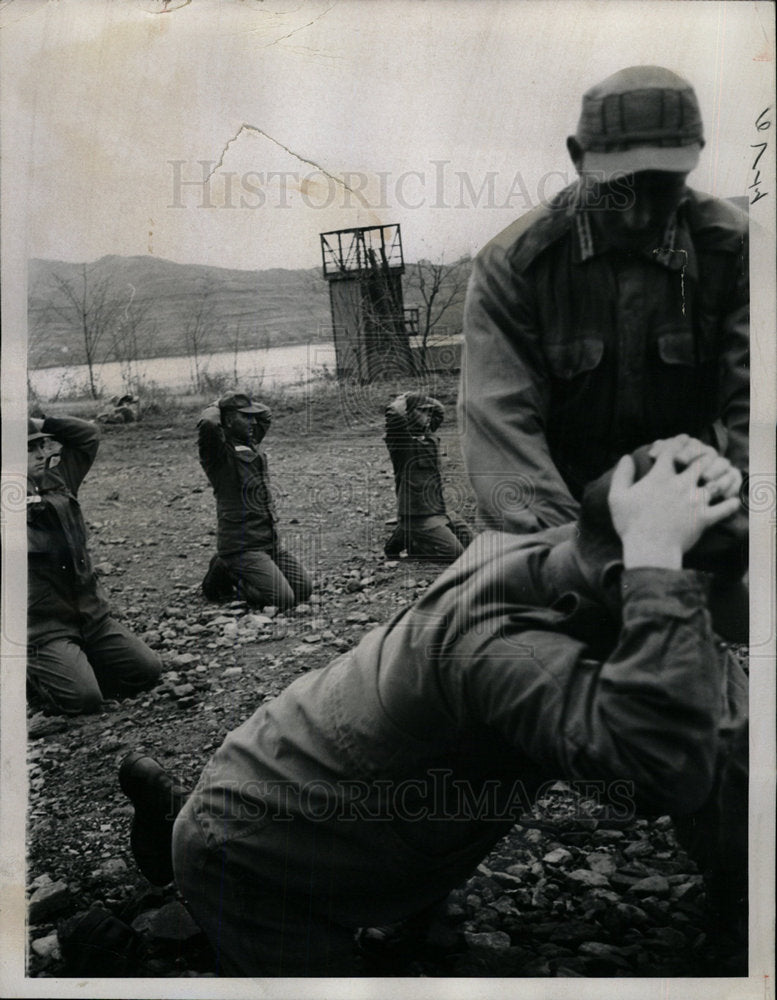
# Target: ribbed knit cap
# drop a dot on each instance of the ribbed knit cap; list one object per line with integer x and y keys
{"x": 640, "y": 118}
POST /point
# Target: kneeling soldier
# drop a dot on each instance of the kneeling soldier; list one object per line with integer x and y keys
{"x": 77, "y": 653}
{"x": 424, "y": 527}
{"x": 370, "y": 788}
{"x": 250, "y": 556}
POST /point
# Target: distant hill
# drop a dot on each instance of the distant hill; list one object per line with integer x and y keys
{"x": 270, "y": 307}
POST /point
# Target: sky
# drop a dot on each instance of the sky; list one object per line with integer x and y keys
{"x": 447, "y": 116}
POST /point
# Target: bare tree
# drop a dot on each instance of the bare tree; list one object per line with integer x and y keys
{"x": 132, "y": 335}
{"x": 198, "y": 322}
{"x": 440, "y": 287}
{"x": 238, "y": 339}
{"x": 45, "y": 340}
{"x": 89, "y": 301}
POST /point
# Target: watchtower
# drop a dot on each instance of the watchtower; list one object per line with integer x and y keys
{"x": 370, "y": 324}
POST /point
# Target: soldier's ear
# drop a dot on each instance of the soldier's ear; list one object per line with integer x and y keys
{"x": 575, "y": 151}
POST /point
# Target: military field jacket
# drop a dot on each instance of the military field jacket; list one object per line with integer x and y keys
{"x": 65, "y": 597}
{"x": 576, "y": 353}
{"x": 385, "y": 777}
{"x": 241, "y": 483}
{"x": 415, "y": 459}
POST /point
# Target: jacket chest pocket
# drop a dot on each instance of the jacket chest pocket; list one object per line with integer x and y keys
{"x": 678, "y": 348}
{"x": 687, "y": 347}
{"x": 575, "y": 357}
{"x": 423, "y": 459}
{"x": 684, "y": 381}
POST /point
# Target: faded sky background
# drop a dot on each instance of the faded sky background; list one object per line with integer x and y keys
{"x": 114, "y": 104}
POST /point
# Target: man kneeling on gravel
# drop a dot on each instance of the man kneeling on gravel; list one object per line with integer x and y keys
{"x": 370, "y": 788}
{"x": 77, "y": 653}
{"x": 424, "y": 527}
{"x": 250, "y": 557}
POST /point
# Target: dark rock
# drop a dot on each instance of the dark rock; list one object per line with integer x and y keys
{"x": 509, "y": 881}
{"x": 173, "y": 923}
{"x": 551, "y": 950}
{"x": 47, "y": 900}
{"x": 47, "y": 947}
{"x": 115, "y": 866}
{"x": 569, "y": 967}
{"x": 557, "y": 857}
{"x": 670, "y": 937}
{"x": 40, "y": 726}
{"x": 602, "y": 863}
{"x": 623, "y": 915}
{"x": 144, "y": 921}
{"x": 585, "y": 878}
{"x": 494, "y": 941}
{"x": 607, "y": 836}
{"x": 639, "y": 849}
{"x": 686, "y": 891}
{"x": 623, "y": 882}
{"x": 607, "y": 953}
{"x": 653, "y": 885}
{"x": 573, "y": 932}
{"x": 183, "y": 660}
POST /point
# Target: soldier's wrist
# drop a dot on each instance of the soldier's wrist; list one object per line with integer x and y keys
{"x": 641, "y": 552}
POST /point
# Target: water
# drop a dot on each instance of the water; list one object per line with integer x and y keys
{"x": 273, "y": 366}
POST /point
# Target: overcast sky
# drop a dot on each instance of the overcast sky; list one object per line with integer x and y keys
{"x": 446, "y": 116}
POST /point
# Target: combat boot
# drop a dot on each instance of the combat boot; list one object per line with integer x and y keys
{"x": 217, "y": 585}
{"x": 157, "y": 799}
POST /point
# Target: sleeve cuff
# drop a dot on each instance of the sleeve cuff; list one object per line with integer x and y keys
{"x": 661, "y": 593}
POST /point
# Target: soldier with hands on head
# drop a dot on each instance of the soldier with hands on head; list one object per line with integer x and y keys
{"x": 251, "y": 561}
{"x": 424, "y": 527}
{"x": 77, "y": 653}
{"x": 576, "y": 653}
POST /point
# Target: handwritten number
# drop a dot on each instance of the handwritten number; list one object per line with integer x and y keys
{"x": 762, "y": 124}
{"x": 758, "y": 145}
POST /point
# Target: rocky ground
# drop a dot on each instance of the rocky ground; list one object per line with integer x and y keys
{"x": 567, "y": 893}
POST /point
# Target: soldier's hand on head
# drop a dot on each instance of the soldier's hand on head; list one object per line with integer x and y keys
{"x": 436, "y": 419}
{"x": 723, "y": 479}
{"x": 665, "y": 513}
{"x": 398, "y": 404}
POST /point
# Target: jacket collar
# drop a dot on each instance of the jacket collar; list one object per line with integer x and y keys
{"x": 566, "y": 569}
{"x": 675, "y": 250}
{"x": 245, "y": 453}
{"x": 587, "y": 596}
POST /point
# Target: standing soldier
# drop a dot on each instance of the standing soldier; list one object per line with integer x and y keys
{"x": 616, "y": 314}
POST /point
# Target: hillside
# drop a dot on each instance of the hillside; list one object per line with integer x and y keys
{"x": 150, "y": 307}
{"x": 161, "y": 297}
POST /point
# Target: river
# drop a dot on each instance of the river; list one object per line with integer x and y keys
{"x": 274, "y": 366}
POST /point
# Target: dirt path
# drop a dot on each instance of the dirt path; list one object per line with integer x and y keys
{"x": 527, "y": 911}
